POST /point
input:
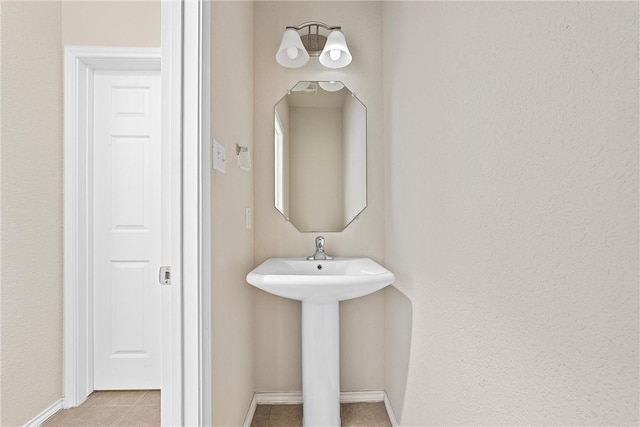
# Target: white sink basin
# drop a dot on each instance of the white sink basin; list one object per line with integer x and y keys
{"x": 337, "y": 278}
{"x": 320, "y": 285}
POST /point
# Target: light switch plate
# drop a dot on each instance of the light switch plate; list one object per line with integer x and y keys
{"x": 219, "y": 157}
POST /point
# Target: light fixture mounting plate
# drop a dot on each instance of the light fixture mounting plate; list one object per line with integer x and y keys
{"x": 313, "y": 43}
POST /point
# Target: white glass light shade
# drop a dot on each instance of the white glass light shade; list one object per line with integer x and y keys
{"x": 291, "y": 53}
{"x": 331, "y": 86}
{"x": 335, "y": 53}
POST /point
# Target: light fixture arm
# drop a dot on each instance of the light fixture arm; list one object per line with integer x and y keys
{"x": 313, "y": 41}
{"x": 310, "y": 24}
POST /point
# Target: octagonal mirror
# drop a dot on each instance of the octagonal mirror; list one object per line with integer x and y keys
{"x": 320, "y": 137}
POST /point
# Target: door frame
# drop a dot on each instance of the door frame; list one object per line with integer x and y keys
{"x": 80, "y": 65}
{"x": 186, "y": 45}
{"x": 195, "y": 36}
{"x": 186, "y": 324}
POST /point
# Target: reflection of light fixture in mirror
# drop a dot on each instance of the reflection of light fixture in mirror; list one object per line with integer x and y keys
{"x": 331, "y": 86}
{"x": 295, "y": 50}
{"x": 308, "y": 87}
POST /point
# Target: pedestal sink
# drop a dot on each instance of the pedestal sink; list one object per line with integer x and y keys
{"x": 320, "y": 285}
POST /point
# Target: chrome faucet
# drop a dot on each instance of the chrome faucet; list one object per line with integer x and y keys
{"x": 320, "y": 253}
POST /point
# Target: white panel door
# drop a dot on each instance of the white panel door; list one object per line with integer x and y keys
{"x": 127, "y": 236}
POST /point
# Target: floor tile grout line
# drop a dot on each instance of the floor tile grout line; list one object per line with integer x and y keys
{"x": 269, "y": 416}
{"x": 119, "y": 420}
{"x": 140, "y": 398}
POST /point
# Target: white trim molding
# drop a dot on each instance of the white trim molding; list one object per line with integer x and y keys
{"x": 43, "y": 416}
{"x": 361, "y": 396}
{"x": 252, "y": 411}
{"x": 171, "y": 401}
{"x": 80, "y": 65}
{"x": 390, "y": 412}
{"x": 284, "y": 398}
{"x": 196, "y": 205}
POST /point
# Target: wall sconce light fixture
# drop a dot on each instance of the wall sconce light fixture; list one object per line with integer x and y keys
{"x": 331, "y": 50}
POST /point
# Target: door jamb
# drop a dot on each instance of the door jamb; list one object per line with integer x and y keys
{"x": 80, "y": 65}
{"x": 197, "y": 208}
{"x": 185, "y": 58}
{"x": 172, "y": 403}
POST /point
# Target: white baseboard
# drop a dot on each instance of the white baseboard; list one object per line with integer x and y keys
{"x": 45, "y": 415}
{"x": 287, "y": 398}
{"x": 295, "y": 398}
{"x": 392, "y": 415}
{"x": 361, "y": 396}
{"x": 251, "y": 413}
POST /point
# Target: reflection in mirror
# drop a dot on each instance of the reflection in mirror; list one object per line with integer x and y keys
{"x": 320, "y": 141}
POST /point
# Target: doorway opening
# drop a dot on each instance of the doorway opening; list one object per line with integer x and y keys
{"x": 102, "y": 84}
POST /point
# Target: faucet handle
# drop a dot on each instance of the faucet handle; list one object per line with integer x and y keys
{"x": 319, "y": 254}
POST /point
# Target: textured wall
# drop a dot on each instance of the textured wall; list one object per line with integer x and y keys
{"x": 31, "y": 194}
{"x": 111, "y": 23}
{"x": 33, "y": 35}
{"x": 232, "y": 245}
{"x": 277, "y": 320}
{"x": 512, "y": 215}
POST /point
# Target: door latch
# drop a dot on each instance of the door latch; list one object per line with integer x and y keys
{"x": 165, "y": 275}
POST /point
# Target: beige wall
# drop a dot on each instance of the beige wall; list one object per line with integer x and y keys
{"x": 33, "y": 35}
{"x": 111, "y": 23}
{"x": 232, "y": 244}
{"x": 31, "y": 194}
{"x": 277, "y": 320}
{"x": 512, "y": 214}
{"x": 316, "y": 181}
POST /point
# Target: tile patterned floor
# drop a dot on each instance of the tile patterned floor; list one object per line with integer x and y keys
{"x": 112, "y": 408}
{"x": 142, "y": 408}
{"x": 352, "y": 414}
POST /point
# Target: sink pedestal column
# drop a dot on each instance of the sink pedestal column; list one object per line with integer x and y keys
{"x": 321, "y": 363}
